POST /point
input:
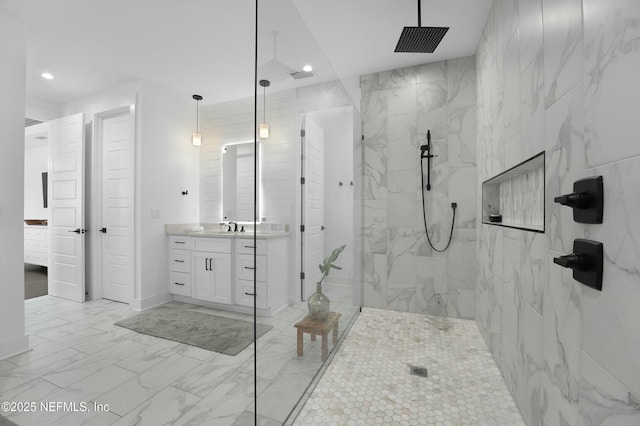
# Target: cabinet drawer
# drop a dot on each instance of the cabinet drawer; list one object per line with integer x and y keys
{"x": 247, "y": 246}
{"x": 180, "y": 242}
{"x": 180, "y": 284}
{"x": 215, "y": 245}
{"x": 244, "y": 291}
{"x": 244, "y": 267}
{"x": 180, "y": 261}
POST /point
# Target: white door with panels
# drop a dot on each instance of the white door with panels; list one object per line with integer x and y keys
{"x": 313, "y": 207}
{"x": 66, "y": 208}
{"x": 116, "y": 136}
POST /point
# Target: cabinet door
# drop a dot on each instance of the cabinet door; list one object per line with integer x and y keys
{"x": 211, "y": 277}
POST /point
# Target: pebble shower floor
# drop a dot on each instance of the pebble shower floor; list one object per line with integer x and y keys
{"x": 369, "y": 382}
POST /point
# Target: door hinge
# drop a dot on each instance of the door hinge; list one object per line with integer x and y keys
{"x": 302, "y": 275}
{"x": 301, "y": 181}
{"x": 363, "y": 137}
{"x": 301, "y": 228}
{"x": 302, "y": 133}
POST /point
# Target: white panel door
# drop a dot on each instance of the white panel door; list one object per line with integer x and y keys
{"x": 117, "y": 207}
{"x": 313, "y": 205}
{"x": 66, "y": 208}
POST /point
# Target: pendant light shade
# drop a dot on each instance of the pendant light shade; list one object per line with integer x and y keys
{"x": 264, "y": 130}
{"x": 264, "y": 127}
{"x": 196, "y": 138}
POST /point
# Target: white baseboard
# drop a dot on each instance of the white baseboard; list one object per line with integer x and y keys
{"x": 13, "y": 347}
{"x": 143, "y": 304}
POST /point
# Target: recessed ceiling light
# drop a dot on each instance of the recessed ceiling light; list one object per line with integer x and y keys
{"x": 47, "y": 76}
{"x": 307, "y": 68}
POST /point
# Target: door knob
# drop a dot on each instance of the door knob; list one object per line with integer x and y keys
{"x": 79, "y": 231}
{"x": 322, "y": 227}
{"x": 103, "y": 230}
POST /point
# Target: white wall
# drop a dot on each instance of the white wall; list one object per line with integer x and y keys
{"x": 35, "y": 162}
{"x": 166, "y": 164}
{"x": 169, "y": 165}
{"x": 12, "y": 86}
{"x": 40, "y": 110}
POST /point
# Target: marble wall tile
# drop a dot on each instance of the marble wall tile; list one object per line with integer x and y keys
{"x": 375, "y": 226}
{"x": 375, "y": 281}
{"x": 532, "y": 269}
{"x": 462, "y": 266}
{"x": 511, "y": 86}
{"x": 392, "y": 79}
{"x": 432, "y": 108}
{"x": 532, "y": 125}
{"x": 607, "y": 315}
{"x": 434, "y": 71}
{"x": 398, "y": 108}
{"x": 565, "y": 163}
{"x": 402, "y": 190}
{"x": 461, "y": 303}
{"x": 563, "y": 49}
{"x": 530, "y": 30}
{"x": 612, "y": 56}
{"x": 561, "y": 340}
{"x": 603, "y": 399}
{"x": 462, "y": 189}
{"x": 462, "y": 128}
{"x": 402, "y": 146}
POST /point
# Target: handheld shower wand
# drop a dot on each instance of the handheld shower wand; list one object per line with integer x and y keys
{"x": 427, "y": 148}
{"x": 428, "y": 156}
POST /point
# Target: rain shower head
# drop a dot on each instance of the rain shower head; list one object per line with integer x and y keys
{"x": 420, "y": 39}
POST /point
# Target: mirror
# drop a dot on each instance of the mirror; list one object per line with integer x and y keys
{"x": 237, "y": 182}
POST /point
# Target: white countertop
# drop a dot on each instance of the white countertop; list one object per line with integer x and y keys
{"x": 224, "y": 234}
{"x": 216, "y": 232}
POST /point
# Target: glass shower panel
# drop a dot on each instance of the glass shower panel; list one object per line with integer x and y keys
{"x": 308, "y": 242}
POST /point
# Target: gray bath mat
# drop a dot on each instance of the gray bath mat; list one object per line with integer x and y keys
{"x": 180, "y": 322}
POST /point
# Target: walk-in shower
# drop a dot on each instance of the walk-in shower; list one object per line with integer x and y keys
{"x": 425, "y": 152}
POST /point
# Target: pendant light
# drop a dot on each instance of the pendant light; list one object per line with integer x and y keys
{"x": 264, "y": 127}
{"x": 196, "y": 138}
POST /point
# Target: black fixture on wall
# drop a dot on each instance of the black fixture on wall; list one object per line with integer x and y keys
{"x": 586, "y": 262}
{"x": 420, "y": 39}
{"x": 586, "y": 200}
{"x": 427, "y": 148}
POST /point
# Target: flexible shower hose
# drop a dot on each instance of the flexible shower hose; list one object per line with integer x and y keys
{"x": 424, "y": 215}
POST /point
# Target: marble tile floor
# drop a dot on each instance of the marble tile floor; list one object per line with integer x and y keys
{"x": 78, "y": 356}
{"x": 368, "y": 381}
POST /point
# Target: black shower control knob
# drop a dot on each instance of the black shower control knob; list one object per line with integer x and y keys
{"x": 572, "y": 261}
{"x": 577, "y": 200}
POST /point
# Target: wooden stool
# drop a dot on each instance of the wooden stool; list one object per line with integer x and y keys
{"x": 316, "y": 327}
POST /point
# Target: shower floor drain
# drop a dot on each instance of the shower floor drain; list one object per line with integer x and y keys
{"x": 418, "y": 371}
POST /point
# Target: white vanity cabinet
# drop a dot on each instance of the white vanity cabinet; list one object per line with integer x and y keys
{"x": 270, "y": 269}
{"x": 220, "y": 271}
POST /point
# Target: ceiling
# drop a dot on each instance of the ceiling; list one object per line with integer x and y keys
{"x": 207, "y": 46}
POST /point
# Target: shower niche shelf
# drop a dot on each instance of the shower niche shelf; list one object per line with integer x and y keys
{"x": 515, "y": 198}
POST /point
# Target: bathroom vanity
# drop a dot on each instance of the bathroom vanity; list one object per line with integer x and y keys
{"x": 217, "y": 269}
